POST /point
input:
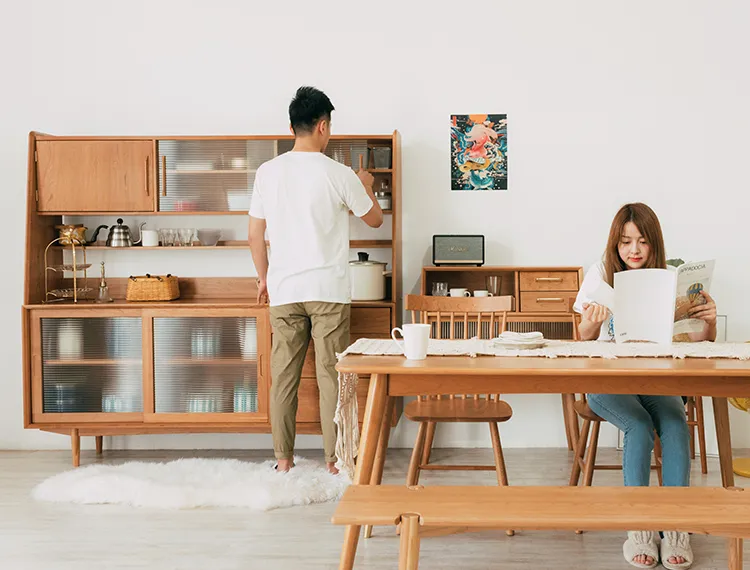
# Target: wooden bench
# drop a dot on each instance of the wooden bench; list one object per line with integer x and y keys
{"x": 700, "y": 510}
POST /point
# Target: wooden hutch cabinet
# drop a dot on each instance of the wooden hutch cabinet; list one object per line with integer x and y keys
{"x": 197, "y": 364}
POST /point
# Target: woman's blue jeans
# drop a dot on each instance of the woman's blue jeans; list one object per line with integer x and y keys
{"x": 637, "y": 417}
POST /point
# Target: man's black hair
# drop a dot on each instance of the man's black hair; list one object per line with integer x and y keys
{"x": 308, "y": 107}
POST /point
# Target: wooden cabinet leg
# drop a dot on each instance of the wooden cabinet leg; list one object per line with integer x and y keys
{"x": 75, "y": 444}
{"x": 99, "y": 444}
{"x": 735, "y": 554}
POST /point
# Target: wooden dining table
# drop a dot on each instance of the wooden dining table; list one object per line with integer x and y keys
{"x": 394, "y": 376}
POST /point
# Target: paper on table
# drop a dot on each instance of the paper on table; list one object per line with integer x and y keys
{"x": 644, "y": 305}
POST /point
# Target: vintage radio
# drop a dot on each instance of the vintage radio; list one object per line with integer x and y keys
{"x": 457, "y": 250}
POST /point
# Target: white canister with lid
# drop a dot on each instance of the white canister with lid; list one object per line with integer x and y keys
{"x": 367, "y": 278}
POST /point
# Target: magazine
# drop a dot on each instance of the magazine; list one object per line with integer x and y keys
{"x": 651, "y": 305}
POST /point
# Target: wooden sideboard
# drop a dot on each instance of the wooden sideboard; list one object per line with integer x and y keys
{"x": 197, "y": 364}
{"x": 543, "y": 298}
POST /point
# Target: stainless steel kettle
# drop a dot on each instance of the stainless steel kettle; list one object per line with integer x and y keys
{"x": 119, "y": 235}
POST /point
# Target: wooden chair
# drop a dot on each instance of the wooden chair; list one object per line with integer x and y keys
{"x": 458, "y": 318}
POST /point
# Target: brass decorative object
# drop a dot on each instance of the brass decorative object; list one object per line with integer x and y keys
{"x": 103, "y": 295}
{"x": 79, "y": 291}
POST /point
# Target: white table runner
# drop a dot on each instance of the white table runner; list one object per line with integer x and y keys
{"x": 347, "y": 441}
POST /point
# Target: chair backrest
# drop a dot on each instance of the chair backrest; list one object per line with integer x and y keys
{"x": 576, "y": 317}
{"x": 461, "y": 317}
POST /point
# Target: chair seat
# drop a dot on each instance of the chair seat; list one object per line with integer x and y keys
{"x": 582, "y": 409}
{"x": 458, "y": 410}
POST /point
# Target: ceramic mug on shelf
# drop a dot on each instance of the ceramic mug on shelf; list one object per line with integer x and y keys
{"x": 460, "y": 292}
{"x": 483, "y": 293}
{"x": 416, "y": 338}
{"x": 150, "y": 238}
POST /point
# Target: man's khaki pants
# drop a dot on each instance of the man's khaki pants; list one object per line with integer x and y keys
{"x": 293, "y": 325}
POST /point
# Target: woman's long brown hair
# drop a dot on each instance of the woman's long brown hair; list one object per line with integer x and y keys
{"x": 648, "y": 224}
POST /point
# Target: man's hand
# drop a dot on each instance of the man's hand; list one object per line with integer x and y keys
{"x": 366, "y": 178}
{"x": 262, "y": 293}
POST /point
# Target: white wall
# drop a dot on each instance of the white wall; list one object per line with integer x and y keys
{"x": 607, "y": 102}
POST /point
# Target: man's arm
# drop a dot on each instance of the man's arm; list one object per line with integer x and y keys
{"x": 257, "y": 238}
{"x": 374, "y": 216}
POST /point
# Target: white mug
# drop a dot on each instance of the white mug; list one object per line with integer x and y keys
{"x": 416, "y": 338}
{"x": 149, "y": 238}
{"x": 460, "y": 292}
{"x": 483, "y": 293}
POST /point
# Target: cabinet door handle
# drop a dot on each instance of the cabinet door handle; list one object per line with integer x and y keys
{"x": 548, "y": 279}
{"x": 148, "y": 191}
{"x": 164, "y": 175}
{"x": 550, "y": 300}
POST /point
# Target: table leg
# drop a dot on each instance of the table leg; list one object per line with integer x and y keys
{"x": 377, "y": 469}
{"x": 724, "y": 439}
{"x": 376, "y": 403}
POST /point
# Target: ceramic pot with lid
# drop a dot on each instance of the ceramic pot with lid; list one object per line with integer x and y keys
{"x": 367, "y": 278}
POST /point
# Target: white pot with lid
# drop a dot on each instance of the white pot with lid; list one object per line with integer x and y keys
{"x": 367, "y": 278}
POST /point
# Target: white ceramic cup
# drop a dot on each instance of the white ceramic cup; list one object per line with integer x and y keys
{"x": 416, "y": 338}
{"x": 460, "y": 292}
{"x": 150, "y": 238}
{"x": 482, "y": 293}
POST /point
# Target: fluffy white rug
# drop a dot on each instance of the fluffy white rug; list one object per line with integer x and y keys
{"x": 191, "y": 483}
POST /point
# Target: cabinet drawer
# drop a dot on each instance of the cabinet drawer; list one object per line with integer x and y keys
{"x": 547, "y": 301}
{"x": 549, "y": 281}
{"x": 370, "y": 320}
{"x": 308, "y": 409}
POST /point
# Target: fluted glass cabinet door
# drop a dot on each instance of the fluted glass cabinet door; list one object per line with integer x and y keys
{"x": 87, "y": 368}
{"x": 209, "y": 175}
{"x": 209, "y": 368}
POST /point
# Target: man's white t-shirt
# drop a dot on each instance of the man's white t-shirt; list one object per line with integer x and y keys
{"x": 305, "y": 198}
{"x": 591, "y": 281}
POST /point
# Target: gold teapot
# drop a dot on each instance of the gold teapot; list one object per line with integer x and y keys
{"x": 76, "y": 233}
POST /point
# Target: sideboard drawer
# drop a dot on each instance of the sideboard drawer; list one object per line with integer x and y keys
{"x": 549, "y": 281}
{"x": 546, "y": 301}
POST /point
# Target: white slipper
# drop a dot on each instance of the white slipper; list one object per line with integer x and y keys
{"x": 640, "y": 542}
{"x": 676, "y": 544}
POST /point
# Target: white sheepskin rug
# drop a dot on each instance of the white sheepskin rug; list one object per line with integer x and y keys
{"x": 192, "y": 483}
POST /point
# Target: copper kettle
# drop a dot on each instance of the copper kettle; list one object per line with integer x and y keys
{"x": 76, "y": 233}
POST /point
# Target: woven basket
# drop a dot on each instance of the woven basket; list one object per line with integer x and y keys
{"x": 152, "y": 288}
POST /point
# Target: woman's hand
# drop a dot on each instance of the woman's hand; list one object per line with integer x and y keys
{"x": 591, "y": 320}
{"x": 594, "y": 313}
{"x": 705, "y": 312}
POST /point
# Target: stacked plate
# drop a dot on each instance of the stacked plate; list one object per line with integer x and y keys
{"x": 520, "y": 341}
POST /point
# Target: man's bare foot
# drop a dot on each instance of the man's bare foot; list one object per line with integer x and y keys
{"x": 284, "y": 465}
{"x": 332, "y": 468}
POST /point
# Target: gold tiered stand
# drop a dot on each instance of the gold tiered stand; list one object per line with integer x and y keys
{"x": 75, "y": 293}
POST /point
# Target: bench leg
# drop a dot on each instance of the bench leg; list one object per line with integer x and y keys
{"x": 377, "y": 470}
{"x": 735, "y": 554}
{"x": 408, "y": 555}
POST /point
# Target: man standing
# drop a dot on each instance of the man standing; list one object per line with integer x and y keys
{"x": 302, "y": 199}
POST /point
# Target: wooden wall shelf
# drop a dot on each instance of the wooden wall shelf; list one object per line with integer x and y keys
{"x": 142, "y": 176}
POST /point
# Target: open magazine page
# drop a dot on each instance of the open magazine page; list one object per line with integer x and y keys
{"x": 644, "y": 305}
{"x": 692, "y": 278}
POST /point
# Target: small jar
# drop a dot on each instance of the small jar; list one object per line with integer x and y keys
{"x": 384, "y": 199}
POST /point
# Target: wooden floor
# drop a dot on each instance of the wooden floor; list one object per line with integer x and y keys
{"x": 35, "y": 536}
